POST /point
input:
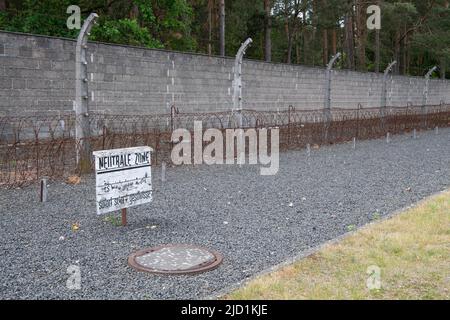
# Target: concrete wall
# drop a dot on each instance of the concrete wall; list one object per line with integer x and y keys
{"x": 37, "y": 75}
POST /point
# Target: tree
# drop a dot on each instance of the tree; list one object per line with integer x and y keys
{"x": 290, "y": 11}
{"x": 268, "y": 30}
{"x": 414, "y": 32}
{"x": 222, "y": 27}
{"x": 435, "y": 36}
{"x": 349, "y": 46}
{"x": 361, "y": 32}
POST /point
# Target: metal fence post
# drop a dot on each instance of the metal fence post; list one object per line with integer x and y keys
{"x": 82, "y": 128}
{"x": 425, "y": 96}
{"x": 290, "y": 110}
{"x": 327, "y": 106}
{"x": 44, "y": 189}
{"x": 384, "y": 92}
{"x": 327, "y": 102}
{"x": 237, "y": 82}
{"x": 358, "y": 119}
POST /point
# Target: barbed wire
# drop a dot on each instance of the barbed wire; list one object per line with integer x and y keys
{"x": 32, "y": 147}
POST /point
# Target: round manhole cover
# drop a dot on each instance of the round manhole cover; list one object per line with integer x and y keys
{"x": 175, "y": 259}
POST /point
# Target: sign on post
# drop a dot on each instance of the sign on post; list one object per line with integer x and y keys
{"x": 123, "y": 178}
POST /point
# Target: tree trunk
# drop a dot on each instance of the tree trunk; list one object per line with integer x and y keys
{"x": 222, "y": 27}
{"x": 397, "y": 52}
{"x": 315, "y": 23}
{"x": 210, "y": 8}
{"x": 349, "y": 41}
{"x": 268, "y": 31}
{"x": 361, "y": 33}
{"x": 325, "y": 47}
{"x": 288, "y": 30}
{"x": 134, "y": 13}
{"x": 304, "y": 39}
{"x": 334, "y": 42}
{"x": 377, "y": 46}
{"x": 405, "y": 56}
{"x": 289, "y": 53}
{"x": 377, "y": 51}
{"x": 3, "y": 4}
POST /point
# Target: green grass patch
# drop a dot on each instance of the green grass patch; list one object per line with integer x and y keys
{"x": 411, "y": 250}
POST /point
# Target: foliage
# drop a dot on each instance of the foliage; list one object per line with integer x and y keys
{"x": 124, "y": 31}
{"x": 414, "y": 32}
{"x": 41, "y": 17}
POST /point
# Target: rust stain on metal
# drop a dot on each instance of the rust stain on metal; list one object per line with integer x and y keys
{"x": 175, "y": 265}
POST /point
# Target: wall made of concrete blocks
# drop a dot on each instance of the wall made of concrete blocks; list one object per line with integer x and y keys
{"x": 37, "y": 75}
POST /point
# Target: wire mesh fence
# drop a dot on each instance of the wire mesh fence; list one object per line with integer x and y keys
{"x": 38, "y": 146}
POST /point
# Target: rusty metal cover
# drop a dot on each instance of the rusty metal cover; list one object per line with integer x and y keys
{"x": 175, "y": 259}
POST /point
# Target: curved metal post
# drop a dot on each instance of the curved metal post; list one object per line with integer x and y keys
{"x": 384, "y": 93}
{"x": 327, "y": 106}
{"x": 425, "y": 95}
{"x": 237, "y": 82}
{"x": 427, "y": 81}
{"x": 82, "y": 128}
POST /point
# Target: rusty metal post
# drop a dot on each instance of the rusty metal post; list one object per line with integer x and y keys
{"x": 124, "y": 217}
{"x": 290, "y": 109}
{"x": 37, "y": 155}
{"x": 82, "y": 129}
{"x": 103, "y": 137}
{"x": 237, "y": 82}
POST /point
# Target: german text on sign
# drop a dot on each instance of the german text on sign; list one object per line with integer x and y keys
{"x": 123, "y": 178}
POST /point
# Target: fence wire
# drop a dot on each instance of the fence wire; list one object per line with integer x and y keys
{"x": 45, "y": 146}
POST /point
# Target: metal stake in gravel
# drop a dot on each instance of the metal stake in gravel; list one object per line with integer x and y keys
{"x": 163, "y": 172}
{"x": 124, "y": 217}
{"x": 308, "y": 150}
{"x": 44, "y": 190}
{"x": 175, "y": 260}
{"x": 354, "y": 143}
{"x": 436, "y": 130}
{"x": 388, "y": 138}
{"x": 415, "y": 134}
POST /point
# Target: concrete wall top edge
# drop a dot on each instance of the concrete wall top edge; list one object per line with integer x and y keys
{"x": 284, "y": 66}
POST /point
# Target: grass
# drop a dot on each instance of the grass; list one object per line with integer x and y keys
{"x": 411, "y": 250}
{"x": 114, "y": 220}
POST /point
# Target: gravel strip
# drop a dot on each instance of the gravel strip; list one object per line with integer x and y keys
{"x": 256, "y": 222}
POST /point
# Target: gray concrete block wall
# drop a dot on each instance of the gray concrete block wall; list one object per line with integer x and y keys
{"x": 37, "y": 76}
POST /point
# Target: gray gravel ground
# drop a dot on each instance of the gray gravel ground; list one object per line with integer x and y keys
{"x": 234, "y": 210}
